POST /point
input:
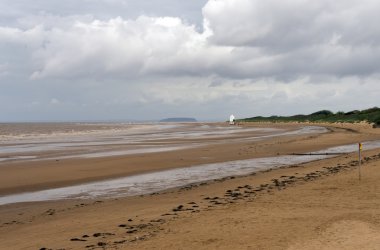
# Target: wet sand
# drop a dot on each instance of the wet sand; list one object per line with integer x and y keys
{"x": 32, "y": 175}
{"x": 297, "y": 207}
{"x": 26, "y": 176}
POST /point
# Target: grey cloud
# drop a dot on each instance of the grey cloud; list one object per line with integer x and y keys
{"x": 14, "y": 12}
{"x": 289, "y": 24}
{"x": 295, "y": 38}
{"x": 114, "y": 58}
{"x": 277, "y": 42}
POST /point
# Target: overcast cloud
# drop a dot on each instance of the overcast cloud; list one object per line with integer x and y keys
{"x": 145, "y": 60}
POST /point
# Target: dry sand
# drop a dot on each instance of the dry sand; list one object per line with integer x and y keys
{"x": 318, "y": 205}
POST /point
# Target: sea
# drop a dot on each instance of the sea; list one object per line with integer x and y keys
{"x": 41, "y": 141}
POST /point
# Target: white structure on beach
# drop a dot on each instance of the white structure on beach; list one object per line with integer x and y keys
{"x": 232, "y": 120}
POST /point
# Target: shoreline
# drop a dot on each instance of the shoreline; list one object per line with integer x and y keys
{"x": 35, "y": 175}
{"x": 54, "y": 173}
{"x": 119, "y": 187}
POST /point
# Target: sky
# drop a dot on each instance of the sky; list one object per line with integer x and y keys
{"x": 78, "y": 60}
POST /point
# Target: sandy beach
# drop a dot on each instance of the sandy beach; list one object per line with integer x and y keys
{"x": 315, "y": 205}
{"x": 204, "y": 124}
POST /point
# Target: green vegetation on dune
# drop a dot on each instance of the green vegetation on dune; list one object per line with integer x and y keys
{"x": 371, "y": 115}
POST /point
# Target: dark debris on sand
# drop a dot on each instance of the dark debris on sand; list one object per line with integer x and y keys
{"x": 248, "y": 193}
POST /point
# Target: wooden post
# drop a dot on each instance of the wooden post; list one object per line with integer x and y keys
{"x": 360, "y": 161}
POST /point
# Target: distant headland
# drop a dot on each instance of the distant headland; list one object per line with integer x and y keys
{"x": 179, "y": 119}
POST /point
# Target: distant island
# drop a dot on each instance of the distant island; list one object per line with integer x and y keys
{"x": 179, "y": 119}
{"x": 371, "y": 115}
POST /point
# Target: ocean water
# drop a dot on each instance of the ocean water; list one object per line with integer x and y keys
{"x": 25, "y": 142}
